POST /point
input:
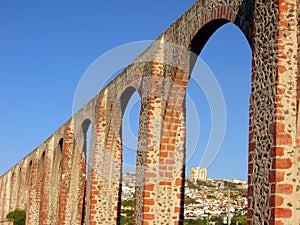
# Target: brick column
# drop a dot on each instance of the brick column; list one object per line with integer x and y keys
{"x": 4, "y": 196}
{"x": 37, "y": 188}
{"x": 28, "y": 187}
{"x": 7, "y": 194}
{"x": 103, "y": 184}
{"x": 65, "y": 176}
{"x": 273, "y": 179}
{"x": 32, "y": 209}
{"x": 160, "y": 163}
{"x": 21, "y": 201}
{"x": 298, "y": 101}
{"x": 172, "y": 147}
{"x": 71, "y": 183}
{"x": 113, "y": 165}
{"x": 13, "y": 191}
{"x": 55, "y": 163}
{"x": 1, "y": 197}
{"x": 286, "y": 185}
{"x": 44, "y": 200}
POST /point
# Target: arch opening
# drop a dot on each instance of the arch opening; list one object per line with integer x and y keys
{"x": 230, "y": 65}
{"x": 204, "y": 34}
{"x": 130, "y": 108}
{"x": 57, "y": 159}
{"x": 61, "y": 142}
{"x": 87, "y": 138}
{"x": 87, "y": 134}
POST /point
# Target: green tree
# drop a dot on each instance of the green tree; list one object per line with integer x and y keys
{"x": 127, "y": 221}
{"x": 195, "y": 222}
{"x": 128, "y": 203}
{"x": 241, "y": 219}
{"x": 18, "y": 217}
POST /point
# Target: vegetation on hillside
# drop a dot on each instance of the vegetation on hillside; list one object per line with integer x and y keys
{"x": 127, "y": 213}
{"x": 18, "y": 217}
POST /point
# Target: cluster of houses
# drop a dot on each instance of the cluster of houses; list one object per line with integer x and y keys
{"x": 204, "y": 198}
{"x": 215, "y": 198}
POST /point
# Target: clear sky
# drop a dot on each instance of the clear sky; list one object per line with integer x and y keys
{"x": 46, "y": 47}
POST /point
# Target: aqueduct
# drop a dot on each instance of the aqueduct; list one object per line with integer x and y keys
{"x": 51, "y": 183}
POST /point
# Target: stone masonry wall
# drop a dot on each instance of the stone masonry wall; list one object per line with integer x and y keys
{"x": 52, "y": 183}
{"x": 273, "y": 169}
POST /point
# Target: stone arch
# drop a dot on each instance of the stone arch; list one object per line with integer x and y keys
{"x": 125, "y": 98}
{"x": 86, "y": 128}
{"x": 191, "y": 31}
{"x": 241, "y": 13}
{"x": 269, "y": 75}
{"x": 202, "y": 36}
{"x": 108, "y": 160}
{"x": 84, "y": 123}
{"x": 197, "y": 44}
{"x": 267, "y": 130}
{"x": 119, "y": 107}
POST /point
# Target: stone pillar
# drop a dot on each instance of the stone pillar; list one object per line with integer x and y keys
{"x": 287, "y": 185}
{"x": 298, "y": 102}
{"x": 161, "y": 150}
{"x": 4, "y": 196}
{"x": 21, "y": 201}
{"x": 55, "y": 163}
{"x": 71, "y": 182}
{"x": 32, "y": 208}
{"x": 103, "y": 184}
{"x": 28, "y": 188}
{"x": 13, "y": 190}
{"x": 44, "y": 200}
{"x": 1, "y": 197}
{"x": 273, "y": 177}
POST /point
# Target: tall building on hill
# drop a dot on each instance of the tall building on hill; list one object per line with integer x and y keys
{"x": 197, "y": 173}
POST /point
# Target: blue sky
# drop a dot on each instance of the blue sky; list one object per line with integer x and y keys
{"x": 45, "y": 48}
